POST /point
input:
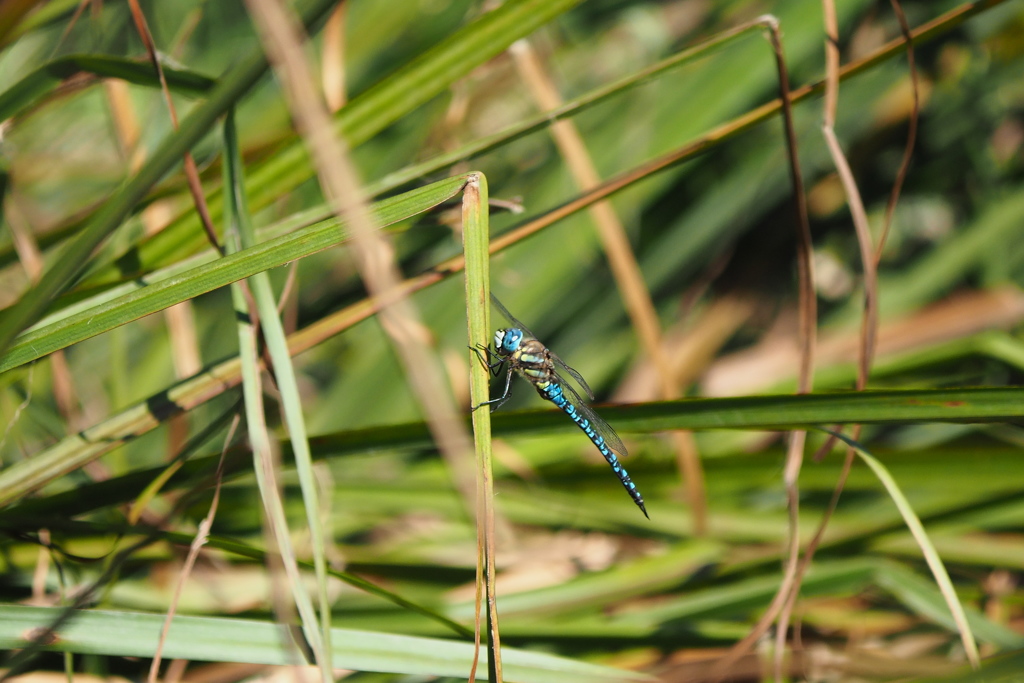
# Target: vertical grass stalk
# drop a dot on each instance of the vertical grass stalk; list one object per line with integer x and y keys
{"x": 475, "y": 241}
{"x": 241, "y": 235}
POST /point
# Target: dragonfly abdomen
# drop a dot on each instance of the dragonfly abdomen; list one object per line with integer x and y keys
{"x": 552, "y": 391}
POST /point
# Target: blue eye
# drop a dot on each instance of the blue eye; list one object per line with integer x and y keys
{"x": 507, "y": 341}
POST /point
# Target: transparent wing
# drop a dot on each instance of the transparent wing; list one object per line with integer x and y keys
{"x": 511, "y": 318}
{"x": 596, "y": 421}
{"x": 572, "y": 373}
{"x": 565, "y": 366}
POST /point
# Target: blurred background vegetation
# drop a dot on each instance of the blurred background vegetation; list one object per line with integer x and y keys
{"x": 581, "y": 573}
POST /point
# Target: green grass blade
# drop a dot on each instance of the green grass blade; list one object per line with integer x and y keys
{"x": 22, "y": 519}
{"x": 75, "y": 256}
{"x": 284, "y": 372}
{"x": 34, "y": 86}
{"x": 265, "y": 464}
{"x": 996, "y": 404}
{"x": 475, "y": 241}
{"x": 132, "y": 634}
{"x": 372, "y": 111}
{"x": 754, "y": 412}
{"x": 641, "y": 577}
{"x": 746, "y": 595}
{"x": 566, "y": 110}
{"x": 931, "y": 556}
{"x": 142, "y": 301}
{"x": 920, "y": 595}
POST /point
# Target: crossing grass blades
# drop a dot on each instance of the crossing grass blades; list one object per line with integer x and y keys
{"x": 516, "y": 349}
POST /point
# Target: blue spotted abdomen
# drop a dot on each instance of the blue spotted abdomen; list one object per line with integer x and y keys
{"x": 552, "y": 391}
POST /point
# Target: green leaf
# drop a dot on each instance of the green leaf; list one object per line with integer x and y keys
{"x": 75, "y": 256}
{"x": 371, "y": 112}
{"x": 920, "y": 594}
{"x": 133, "y": 634}
{"x": 188, "y": 284}
{"x": 44, "y": 80}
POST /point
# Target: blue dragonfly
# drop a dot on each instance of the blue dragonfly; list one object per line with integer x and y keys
{"x": 517, "y": 350}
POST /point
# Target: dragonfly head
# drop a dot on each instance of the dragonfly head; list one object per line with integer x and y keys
{"x": 507, "y": 341}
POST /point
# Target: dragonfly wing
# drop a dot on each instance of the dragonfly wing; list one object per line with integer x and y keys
{"x": 565, "y": 366}
{"x": 573, "y": 373}
{"x": 596, "y": 421}
{"x": 511, "y": 318}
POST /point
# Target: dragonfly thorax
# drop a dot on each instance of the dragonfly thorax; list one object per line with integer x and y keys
{"x": 507, "y": 341}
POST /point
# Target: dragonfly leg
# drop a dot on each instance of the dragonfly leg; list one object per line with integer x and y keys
{"x": 483, "y": 354}
{"x": 496, "y": 403}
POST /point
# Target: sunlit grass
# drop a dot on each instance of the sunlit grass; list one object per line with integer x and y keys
{"x": 581, "y": 575}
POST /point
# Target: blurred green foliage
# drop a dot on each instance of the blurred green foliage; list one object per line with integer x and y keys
{"x": 584, "y": 575}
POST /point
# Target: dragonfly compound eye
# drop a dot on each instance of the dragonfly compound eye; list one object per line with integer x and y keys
{"x": 508, "y": 340}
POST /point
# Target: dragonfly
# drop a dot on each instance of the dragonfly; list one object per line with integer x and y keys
{"x": 518, "y": 351}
